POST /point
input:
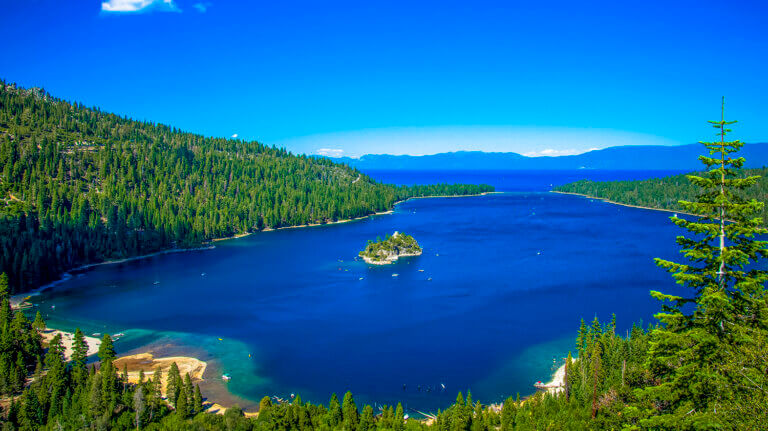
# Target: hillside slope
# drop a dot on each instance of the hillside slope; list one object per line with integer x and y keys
{"x": 79, "y": 185}
{"x": 661, "y": 193}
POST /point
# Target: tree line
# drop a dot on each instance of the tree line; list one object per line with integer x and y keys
{"x": 79, "y": 186}
{"x": 662, "y": 193}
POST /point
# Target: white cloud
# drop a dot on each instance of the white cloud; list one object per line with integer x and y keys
{"x": 201, "y": 7}
{"x": 330, "y": 152}
{"x": 550, "y": 152}
{"x": 137, "y": 5}
{"x": 234, "y": 136}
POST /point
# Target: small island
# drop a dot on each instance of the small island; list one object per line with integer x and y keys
{"x": 384, "y": 252}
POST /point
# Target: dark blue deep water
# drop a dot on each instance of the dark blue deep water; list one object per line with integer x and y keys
{"x": 506, "y": 278}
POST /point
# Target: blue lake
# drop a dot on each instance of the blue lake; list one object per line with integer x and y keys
{"x": 506, "y": 278}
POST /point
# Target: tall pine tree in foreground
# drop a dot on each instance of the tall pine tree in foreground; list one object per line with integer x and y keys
{"x": 723, "y": 309}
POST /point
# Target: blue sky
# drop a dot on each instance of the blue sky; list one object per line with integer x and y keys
{"x": 350, "y": 78}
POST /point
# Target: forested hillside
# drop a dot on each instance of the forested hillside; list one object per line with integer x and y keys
{"x": 79, "y": 185}
{"x": 663, "y": 193}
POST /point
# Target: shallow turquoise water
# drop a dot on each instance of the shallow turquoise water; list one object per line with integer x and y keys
{"x": 511, "y": 275}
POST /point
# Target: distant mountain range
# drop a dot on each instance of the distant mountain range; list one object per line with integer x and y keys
{"x": 641, "y": 157}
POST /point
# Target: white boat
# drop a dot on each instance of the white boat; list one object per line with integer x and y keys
{"x": 421, "y": 270}
{"x": 395, "y": 275}
{"x": 226, "y": 377}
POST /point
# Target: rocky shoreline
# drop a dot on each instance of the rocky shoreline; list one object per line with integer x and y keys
{"x": 389, "y": 259}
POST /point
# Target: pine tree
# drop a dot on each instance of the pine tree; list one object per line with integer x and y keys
{"x": 79, "y": 351}
{"x": 139, "y": 405}
{"x": 197, "y": 402}
{"x": 39, "y": 323}
{"x": 6, "y": 314}
{"x": 581, "y": 339}
{"x": 566, "y": 380}
{"x": 459, "y": 419}
{"x": 32, "y": 413}
{"x": 334, "y": 412}
{"x": 399, "y": 420}
{"x": 154, "y": 394}
{"x": 189, "y": 391}
{"x": 722, "y": 302}
{"x": 508, "y": 413}
{"x": 595, "y": 358}
{"x": 478, "y": 422}
{"x": 54, "y": 358}
{"x": 265, "y": 405}
{"x": 182, "y": 403}
{"x": 596, "y": 329}
{"x": 106, "y": 349}
{"x": 173, "y": 384}
{"x": 5, "y": 293}
{"x": 349, "y": 412}
{"x": 366, "y": 419}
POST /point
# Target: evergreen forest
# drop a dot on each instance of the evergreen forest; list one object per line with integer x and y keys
{"x": 81, "y": 186}
{"x": 662, "y": 193}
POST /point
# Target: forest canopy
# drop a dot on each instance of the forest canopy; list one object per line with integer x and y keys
{"x": 662, "y": 193}
{"x": 79, "y": 186}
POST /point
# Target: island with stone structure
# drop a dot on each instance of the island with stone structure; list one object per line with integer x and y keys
{"x": 387, "y": 251}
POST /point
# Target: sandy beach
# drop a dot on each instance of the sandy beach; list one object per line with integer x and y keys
{"x": 68, "y": 340}
{"x": 235, "y": 236}
{"x": 557, "y": 384}
{"x": 149, "y": 364}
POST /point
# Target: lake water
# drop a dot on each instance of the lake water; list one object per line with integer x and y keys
{"x": 491, "y": 306}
